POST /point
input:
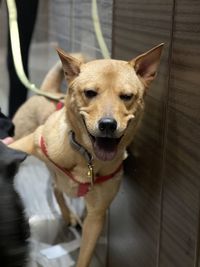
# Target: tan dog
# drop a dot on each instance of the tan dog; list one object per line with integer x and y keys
{"x": 84, "y": 144}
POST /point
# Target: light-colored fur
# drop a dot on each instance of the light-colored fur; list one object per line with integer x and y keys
{"x": 119, "y": 88}
{"x": 38, "y": 108}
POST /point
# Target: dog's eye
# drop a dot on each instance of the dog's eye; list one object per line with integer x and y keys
{"x": 90, "y": 93}
{"x": 126, "y": 97}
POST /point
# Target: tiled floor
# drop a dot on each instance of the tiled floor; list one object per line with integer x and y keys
{"x": 34, "y": 185}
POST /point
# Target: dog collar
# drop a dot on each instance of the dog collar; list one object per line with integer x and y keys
{"x": 83, "y": 151}
{"x": 83, "y": 188}
{"x": 79, "y": 147}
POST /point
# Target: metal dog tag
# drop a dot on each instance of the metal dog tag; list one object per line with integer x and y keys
{"x": 91, "y": 173}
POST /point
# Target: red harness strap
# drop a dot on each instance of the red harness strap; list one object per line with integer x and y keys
{"x": 59, "y": 106}
{"x": 83, "y": 188}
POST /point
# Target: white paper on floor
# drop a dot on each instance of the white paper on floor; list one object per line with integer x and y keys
{"x": 48, "y": 230}
{"x": 41, "y": 254}
{"x": 54, "y": 255}
{"x": 53, "y": 252}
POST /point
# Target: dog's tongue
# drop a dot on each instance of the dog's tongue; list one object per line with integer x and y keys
{"x": 105, "y": 148}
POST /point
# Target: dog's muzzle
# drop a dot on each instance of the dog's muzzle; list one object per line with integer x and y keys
{"x": 105, "y": 141}
{"x": 107, "y": 127}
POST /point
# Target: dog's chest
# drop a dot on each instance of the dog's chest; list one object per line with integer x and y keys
{"x": 78, "y": 184}
{"x": 75, "y": 183}
{"x": 75, "y": 178}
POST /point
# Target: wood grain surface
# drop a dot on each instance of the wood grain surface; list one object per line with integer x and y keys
{"x": 154, "y": 222}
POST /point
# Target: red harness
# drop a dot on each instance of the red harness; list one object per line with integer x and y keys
{"x": 59, "y": 106}
{"x": 83, "y": 188}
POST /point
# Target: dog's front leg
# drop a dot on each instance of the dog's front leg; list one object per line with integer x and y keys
{"x": 92, "y": 228}
{"x": 97, "y": 202}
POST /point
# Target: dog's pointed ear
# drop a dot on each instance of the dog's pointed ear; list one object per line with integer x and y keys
{"x": 146, "y": 65}
{"x": 71, "y": 65}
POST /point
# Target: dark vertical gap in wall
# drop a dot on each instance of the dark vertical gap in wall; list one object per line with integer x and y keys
{"x": 197, "y": 243}
{"x": 112, "y": 56}
{"x": 165, "y": 131}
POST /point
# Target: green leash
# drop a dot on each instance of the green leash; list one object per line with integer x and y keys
{"x": 16, "y": 52}
{"x": 98, "y": 31}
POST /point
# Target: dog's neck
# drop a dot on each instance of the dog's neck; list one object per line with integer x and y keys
{"x": 81, "y": 149}
{"x": 85, "y": 153}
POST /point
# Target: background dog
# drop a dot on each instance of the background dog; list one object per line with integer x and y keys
{"x": 38, "y": 108}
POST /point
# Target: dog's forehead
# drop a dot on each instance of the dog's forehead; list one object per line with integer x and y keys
{"x": 108, "y": 69}
{"x": 106, "y": 74}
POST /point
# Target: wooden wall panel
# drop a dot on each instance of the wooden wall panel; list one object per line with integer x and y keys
{"x": 135, "y": 236}
{"x": 138, "y": 26}
{"x": 180, "y": 192}
{"x": 179, "y": 234}
{"x": 159, "y": 202}
{"x": 185, "y": 78}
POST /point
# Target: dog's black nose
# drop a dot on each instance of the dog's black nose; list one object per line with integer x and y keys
{"x": 107, "y": 125}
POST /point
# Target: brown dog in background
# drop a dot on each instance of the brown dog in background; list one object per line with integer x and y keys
{"x": 84, "y": 143}
{"x": 38, "y": 108}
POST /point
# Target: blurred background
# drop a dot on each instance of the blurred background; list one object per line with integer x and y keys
{"x": 155, "y": 219}
{"x": 67, "y": 23}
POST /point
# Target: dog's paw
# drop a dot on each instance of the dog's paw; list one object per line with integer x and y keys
{"x": 73, "y": 219}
